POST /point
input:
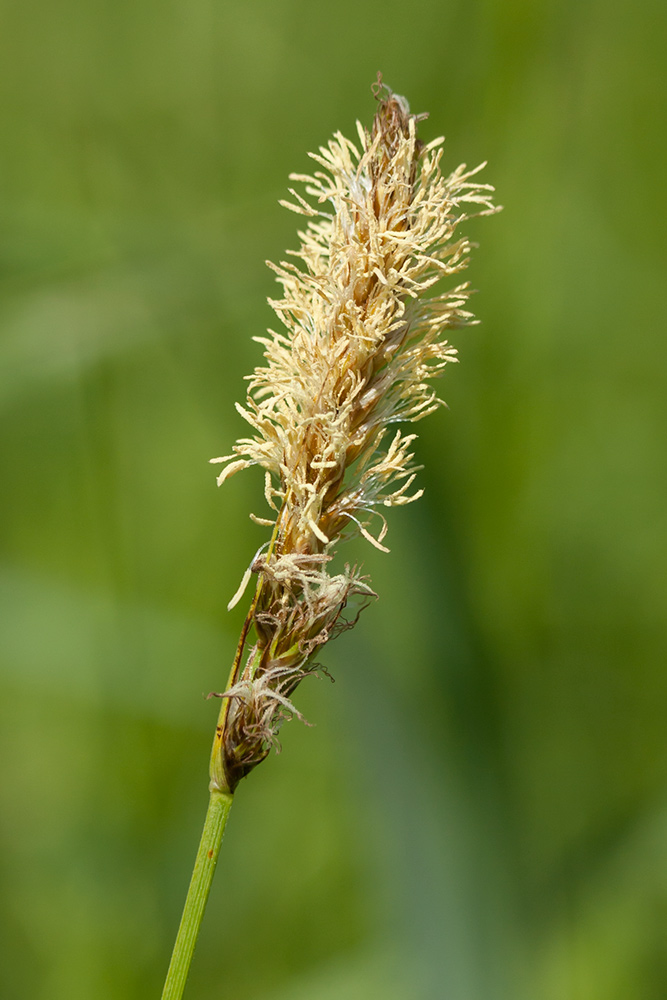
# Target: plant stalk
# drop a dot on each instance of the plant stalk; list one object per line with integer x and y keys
{"x": 220, "y": 802}
{"x": 207, "y": 857}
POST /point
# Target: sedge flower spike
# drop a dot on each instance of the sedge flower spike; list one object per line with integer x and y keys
{"x": 363, "y": 324}
{"x": 363, "y": 321}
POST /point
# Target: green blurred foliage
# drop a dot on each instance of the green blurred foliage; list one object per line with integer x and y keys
{"x": 481, "y": 810}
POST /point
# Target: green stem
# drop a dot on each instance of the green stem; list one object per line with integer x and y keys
{"x": 207, "y": 856}
{"x": 214, "y": 826}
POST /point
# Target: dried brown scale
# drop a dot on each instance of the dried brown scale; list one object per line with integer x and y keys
{"x": 361, "y": 343}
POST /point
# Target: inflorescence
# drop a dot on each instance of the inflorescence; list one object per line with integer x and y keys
{"x": 361, "y": 339}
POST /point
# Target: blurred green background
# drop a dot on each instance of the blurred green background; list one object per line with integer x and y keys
{"x": 480, "y": 812}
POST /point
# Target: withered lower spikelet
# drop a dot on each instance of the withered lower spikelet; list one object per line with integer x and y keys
{"x": 361, "y": 340}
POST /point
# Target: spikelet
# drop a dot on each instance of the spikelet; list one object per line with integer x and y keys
{"x": 361, "y": 340}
